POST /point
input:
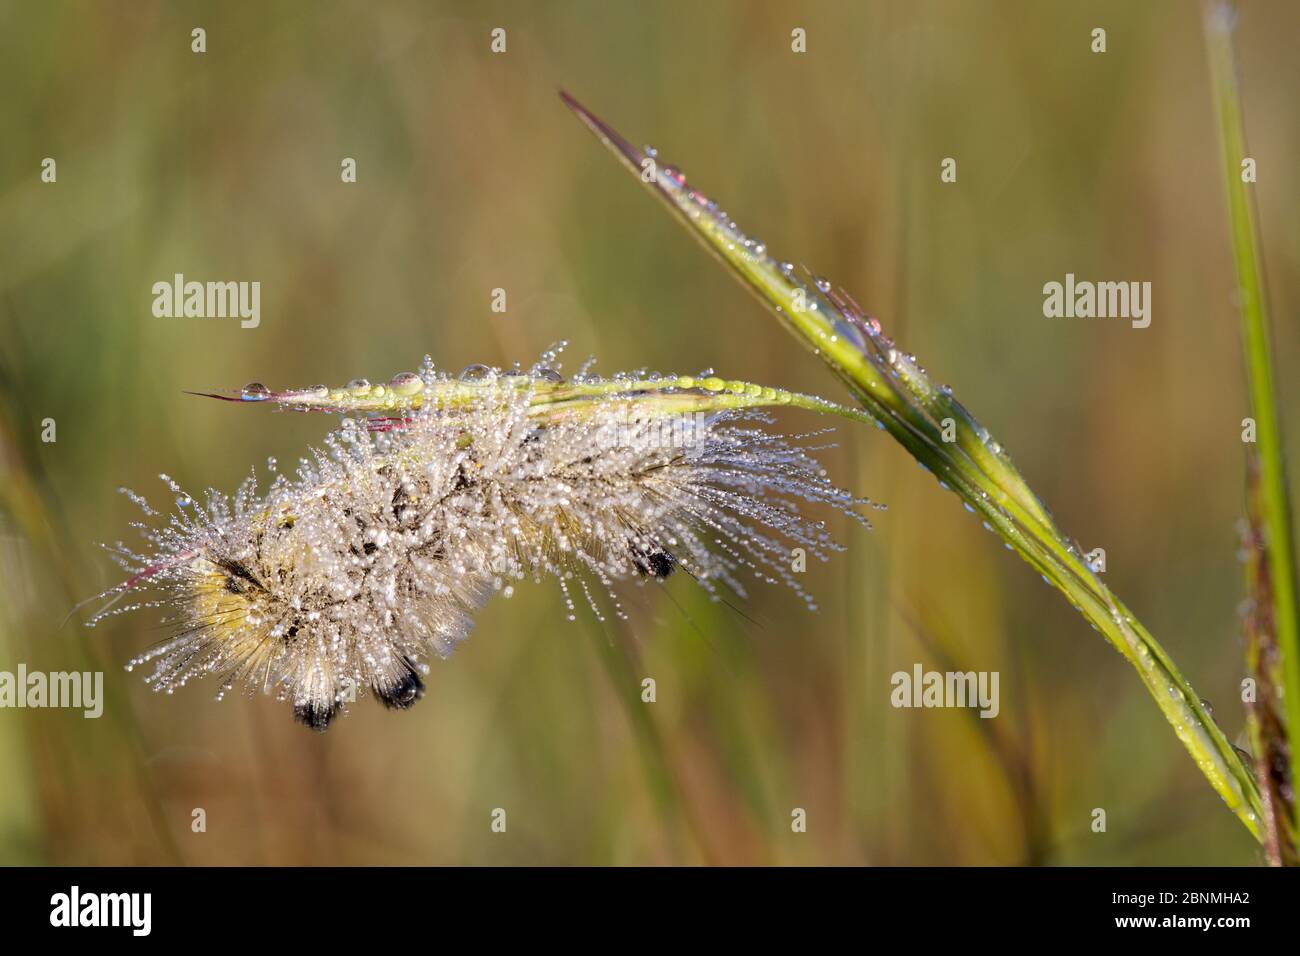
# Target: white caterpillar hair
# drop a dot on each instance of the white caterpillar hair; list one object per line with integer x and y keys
{"x": 349, "y": 577}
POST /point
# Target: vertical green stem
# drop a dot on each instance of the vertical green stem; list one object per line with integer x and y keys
{"x": 898, "y": 393}
{"x": 1273, "y": 504}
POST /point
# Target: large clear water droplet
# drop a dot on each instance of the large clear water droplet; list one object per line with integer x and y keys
{"x": 406, "y": 383}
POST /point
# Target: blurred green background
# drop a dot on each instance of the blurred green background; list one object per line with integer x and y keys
{"x": 472, "y": 176}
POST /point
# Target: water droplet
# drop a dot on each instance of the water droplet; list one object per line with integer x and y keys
{"x": 476, "y": 374}
{"x": 254, "y": 392}
{"x": 184, "y": 501}
{"x": 358, "y": 385}
{"x": 406, "y": 384}
{"x": 549, "y": 375}
{"x": 823, "y": 285}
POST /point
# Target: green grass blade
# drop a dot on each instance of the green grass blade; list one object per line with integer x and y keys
{"x": 941, "y": 434}
{"x": 663, "y": 395}
{"x": 1271, "y": 511}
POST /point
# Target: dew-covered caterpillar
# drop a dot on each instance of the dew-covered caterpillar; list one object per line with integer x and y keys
{"x": 439, "y": 491}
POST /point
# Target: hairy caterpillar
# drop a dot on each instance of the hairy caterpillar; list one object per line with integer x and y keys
{"x": 375, "y": 557}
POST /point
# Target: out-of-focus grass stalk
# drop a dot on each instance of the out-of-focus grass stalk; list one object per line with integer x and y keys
{"x": 22, "y": 500}
{"x": 1265, "y": 722}
{"x": 1010, "y": 753}
{"x": 1267, "y": 486}
{"x": 941, "y": 434}
{"x": 622, "y": 672}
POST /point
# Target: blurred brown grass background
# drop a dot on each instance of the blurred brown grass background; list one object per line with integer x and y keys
{"x": 472, "y": 176}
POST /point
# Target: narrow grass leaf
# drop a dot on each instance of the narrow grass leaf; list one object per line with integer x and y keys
{"x": 921, "y": 415}
{"x": 1269, "y": 499}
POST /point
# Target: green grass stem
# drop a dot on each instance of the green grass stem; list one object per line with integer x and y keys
{"x": 941, "y": 434}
